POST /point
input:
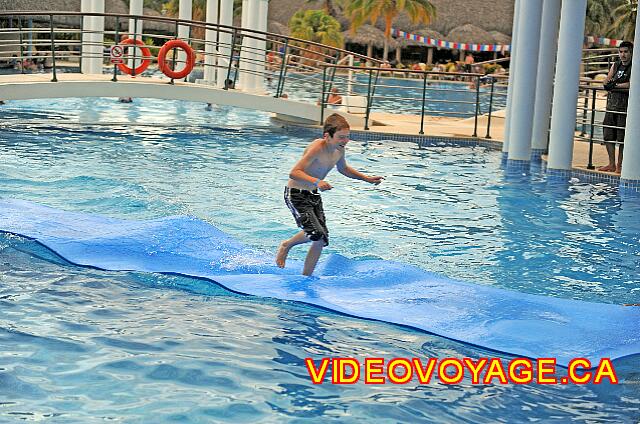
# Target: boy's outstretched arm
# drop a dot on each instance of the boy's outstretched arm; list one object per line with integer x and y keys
{"x": 350, "y": 172}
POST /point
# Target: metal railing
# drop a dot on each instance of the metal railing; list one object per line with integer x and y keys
{"x": 24, "y": 47}
{"x": 461, "y": 95}
{"x": 284, "y": 66}
{"x": 590, "y": 120}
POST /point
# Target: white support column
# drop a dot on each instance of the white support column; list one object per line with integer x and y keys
{"x": 565, "y": 94}
{"x": 524, "y": 90}
{"x": 544, "y": 82}
{"x": 631, "y": 159}
{"x": 98, "y": 37}
{"x": 512, "y": 72}
{"x": 185, "y": 11}
{"x": 254, "y": 14}
{"x": 261, "y": 45}
{"x": 93, "y": 37}
{"x": 224, "y": 40}
{"x": 210, "y": 58}
{"x": 243, "y": 77}
{"x": 135, "y": 26}
{"x": 86, "y": 6}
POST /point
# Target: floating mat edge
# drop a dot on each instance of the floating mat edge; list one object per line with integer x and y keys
{"x": 502, "y": 320}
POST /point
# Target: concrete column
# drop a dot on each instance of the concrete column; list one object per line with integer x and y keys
{"x": 86, "y": 6}
{"x": 631, "y": 159}
{"x": 210, "y": 57}
{"x": 242, "y": 64}
{"x": 224, "y": 46}
{"x": 565, "y": 94}
{"x": 185, "y": 11}
{"x": 254, "y": 15}
{"x": 261, "y": 45}
{"x": 512, "y": 72}
{"x": 135, "y": 26}
{"x": 98, "y": 37}
{"x": 93, "y": 37}
{"x": 524, "y": 90}
{"x": 544, "y": 82}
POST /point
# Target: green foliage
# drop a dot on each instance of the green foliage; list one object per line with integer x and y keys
{"x": 419, "y": 11}
{"x": 611, "y": 18}
{"x": 625, "y": 20}
{"x": 317, "y": 26}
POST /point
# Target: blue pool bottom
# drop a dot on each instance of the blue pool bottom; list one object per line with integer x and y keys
{"x": 502, "y": 320}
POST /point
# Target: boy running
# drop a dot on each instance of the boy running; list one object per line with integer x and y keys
{"x": 306, "y": 178}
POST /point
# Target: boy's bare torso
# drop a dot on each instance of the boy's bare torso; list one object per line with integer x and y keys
{"x": 323, "y": 162}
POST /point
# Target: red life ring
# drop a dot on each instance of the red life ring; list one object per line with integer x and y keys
{"x": 146, "y": 54}
{"x": 164, "y": 67}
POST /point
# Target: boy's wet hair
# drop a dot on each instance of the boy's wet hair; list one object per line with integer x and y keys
{"x": 335, "y": 123}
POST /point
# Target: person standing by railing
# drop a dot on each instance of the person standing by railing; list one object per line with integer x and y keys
{"x": 615, "y": 119}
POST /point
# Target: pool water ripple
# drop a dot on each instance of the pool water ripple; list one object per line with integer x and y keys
{"x": 81, "y": 345}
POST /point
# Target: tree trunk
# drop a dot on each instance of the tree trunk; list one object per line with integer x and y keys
{"x": 429, "y": 55}
{"x": 385, "y": 54}
{"x": 370, "y": 50}
{"x": 330, "y": 8}
{"x": 398, "y": 55}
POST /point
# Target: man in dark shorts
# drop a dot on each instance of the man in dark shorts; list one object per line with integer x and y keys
{"x": 306, "y": 181}
{"x": 615, "y": 119}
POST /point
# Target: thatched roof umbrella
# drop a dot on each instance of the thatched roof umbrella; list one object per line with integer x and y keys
{"x": 500, "y": 38}
{"x": 425, "y": 32}
{"x": 367, "y": 35}
{"x": 111, "y": 6}
{"x": 469, "y": 34}
{"x": 278, "y": 28}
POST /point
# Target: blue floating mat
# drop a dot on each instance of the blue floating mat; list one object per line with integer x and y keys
{"x": 503, "y": 320}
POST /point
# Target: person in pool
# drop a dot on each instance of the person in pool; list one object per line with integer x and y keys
{"x": 306, "y": 179}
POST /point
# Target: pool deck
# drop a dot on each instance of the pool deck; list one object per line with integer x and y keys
{"x": 463, "y": 128}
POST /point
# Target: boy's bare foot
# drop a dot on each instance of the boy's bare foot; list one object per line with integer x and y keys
{"x": 281, "y": 256}
{"x": 619, "y": 170}
{"x": 607, "y": 168}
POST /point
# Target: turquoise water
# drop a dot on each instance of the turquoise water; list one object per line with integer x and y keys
{"x": 401, "y": 95}
{"x": 85, "y": 345}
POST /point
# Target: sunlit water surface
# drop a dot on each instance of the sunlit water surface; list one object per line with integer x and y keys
{"x": 81, "y": 345}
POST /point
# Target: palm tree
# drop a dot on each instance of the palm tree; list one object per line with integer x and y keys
{"x": 199, "y": 12}
{"x": 317, "y": 26}
{"x": 419, "y": 11}
{"x": 330, "y": 6}
{"x": 599, "y": 17}
{"x": 625, "y": 20}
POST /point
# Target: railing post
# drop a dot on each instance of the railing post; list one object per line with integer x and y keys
{"x": 324, "y": 87}
{"x": 493, "y": 83}
{"x": 174, "y": 52}
{"x": 593, "y": 118}
{"x": 135, "y": 38}
{"x": 233, "y": 47}
{"x": 424, "y": 100}
{"x": 584, "y": 113}
{"x": 81, "y": 43}
{"x": 283, "y": 69}
{"x": 21, "y": 46}
{"x": 117, "y": 34}
{"x": 475, "y": 123}
{"x": 369, "y": 101}
{"x": 53, "y": 50}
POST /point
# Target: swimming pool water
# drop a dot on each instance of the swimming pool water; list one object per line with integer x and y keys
{"x": 86, "y": 345}
{"x": 401, "y": 95}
